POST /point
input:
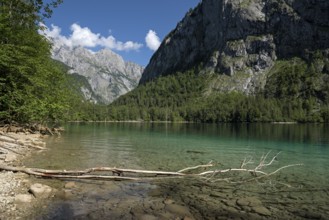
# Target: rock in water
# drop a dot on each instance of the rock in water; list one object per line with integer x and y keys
{"x": 261, "y": 210}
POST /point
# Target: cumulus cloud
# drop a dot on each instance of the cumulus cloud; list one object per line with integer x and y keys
{"x": 83, "y": 36}
{"x": 152, "y": 40}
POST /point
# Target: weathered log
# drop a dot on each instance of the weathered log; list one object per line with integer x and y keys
{"x": 135, "y": 174}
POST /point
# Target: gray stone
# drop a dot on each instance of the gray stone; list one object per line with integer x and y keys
{"x": 40, "y": 190}
{"x": 178, "y": 210}
{"x": 168, "y": 201}
{"x": 261, "y": 210}
{"x": 23, "y": 198}
{"x": 249, "y": 201}
{"x": 230, "y": 203}
{"x": 10, "y": 157}
{"x": 232, "y": 210}
{"x": 156, "y": 205}
{"x": 218, "y": 194}
{"x": 70, "y": 185}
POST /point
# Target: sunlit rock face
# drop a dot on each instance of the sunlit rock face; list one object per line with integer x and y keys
{"x": 107, "y": 75}
{"x": 240, "y": 40}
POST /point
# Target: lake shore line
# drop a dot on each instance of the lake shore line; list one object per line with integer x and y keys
{"x": 20, "y": 194}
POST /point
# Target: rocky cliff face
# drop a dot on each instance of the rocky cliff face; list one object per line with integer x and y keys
{"x": 108, "y": 75}
{"x": 242, "y": 39}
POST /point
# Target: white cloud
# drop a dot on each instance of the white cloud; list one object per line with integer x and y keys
{"x": 83, "y": 36}
{"x": 152, "y": 40}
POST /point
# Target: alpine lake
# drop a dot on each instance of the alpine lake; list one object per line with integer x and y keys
{"x": 298, "y": 192}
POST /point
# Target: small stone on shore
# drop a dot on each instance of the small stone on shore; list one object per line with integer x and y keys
{"x": 70, "y": 185}
{"x": 23, "y": 198}
{"x": 40, "y": 190}
{"x": 10, "y": 157}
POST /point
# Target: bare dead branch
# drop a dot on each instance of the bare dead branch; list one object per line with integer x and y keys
{"x": 210, "y": 164}
{"x": 114, "y": 173}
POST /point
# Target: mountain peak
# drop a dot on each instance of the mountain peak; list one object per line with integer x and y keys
{"x": 106, "y": 72}
{"x": 246, "y": 37}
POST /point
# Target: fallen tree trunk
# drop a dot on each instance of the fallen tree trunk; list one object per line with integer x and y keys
{"x": 114, "y": 173}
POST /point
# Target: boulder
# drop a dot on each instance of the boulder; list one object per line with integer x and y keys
{"x": 23, "y": 198}
{"x": 261, "y": 210}
{"x": 70, "y": 185}
{"x": 249, "y": 201}
{"x": 40, "y": 190}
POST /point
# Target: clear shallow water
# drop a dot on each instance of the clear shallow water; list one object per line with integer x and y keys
{"x": 175, "y": 146}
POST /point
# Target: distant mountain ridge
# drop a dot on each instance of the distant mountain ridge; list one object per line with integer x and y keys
{"x": 241, "y": 40}
{"x": 108, "y": 75}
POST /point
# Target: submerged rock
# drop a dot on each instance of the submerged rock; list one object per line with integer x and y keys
{"x": 178, "y": 210}
{"x": 64, "y": 194}
{"x": 249, "y": 201}
{"x": 261, "y": 210}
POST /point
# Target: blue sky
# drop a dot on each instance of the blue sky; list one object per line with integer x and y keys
{"x": 121, "y": 25}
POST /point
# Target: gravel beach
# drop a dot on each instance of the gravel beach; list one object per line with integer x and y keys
{"x": 16, "y": 197}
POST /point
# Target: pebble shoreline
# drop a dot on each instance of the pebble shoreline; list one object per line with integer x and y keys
{"x": 17, "y": 200}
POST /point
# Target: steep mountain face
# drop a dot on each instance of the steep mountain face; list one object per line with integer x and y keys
{"x": 107, "y": 75}
{"x": 241, "y": 40}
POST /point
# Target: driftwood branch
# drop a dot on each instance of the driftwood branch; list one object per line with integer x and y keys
{"x": 113, "y": 173}
{"x": 8, "y": 149}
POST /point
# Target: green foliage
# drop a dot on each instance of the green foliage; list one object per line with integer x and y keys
{"x": 160, "y": 100}
{"x": 295, "y": 91}
{"x": 33, "y": 86}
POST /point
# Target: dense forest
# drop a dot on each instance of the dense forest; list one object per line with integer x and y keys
{"x": 33, "y": 87}
{"x": 294, "y": 92}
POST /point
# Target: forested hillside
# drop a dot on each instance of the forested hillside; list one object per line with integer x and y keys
{"x": 294, "y": 92}
{"x": 238, "y": 61}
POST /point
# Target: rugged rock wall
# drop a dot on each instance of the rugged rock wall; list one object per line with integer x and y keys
{"x": 108, "y": 75}
{"x": 234, "y": 37}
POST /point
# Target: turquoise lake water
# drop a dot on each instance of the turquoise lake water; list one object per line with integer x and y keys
{"x": 300, "y": 192}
